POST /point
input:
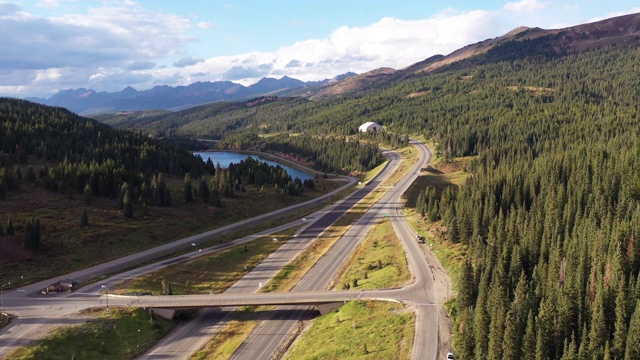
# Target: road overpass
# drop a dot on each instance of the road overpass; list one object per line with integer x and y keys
{"x": 184, "y": 302}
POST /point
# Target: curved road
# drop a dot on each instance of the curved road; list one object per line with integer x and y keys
{"x": 266, "y": 339}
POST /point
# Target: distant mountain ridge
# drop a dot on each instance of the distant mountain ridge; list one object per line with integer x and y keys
{"x": 518, "y": 43}
{"x": 87, "y": 101}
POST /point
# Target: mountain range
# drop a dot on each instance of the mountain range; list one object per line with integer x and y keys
{"x": 519, "y": 43}
{"x": 87, "y": 101}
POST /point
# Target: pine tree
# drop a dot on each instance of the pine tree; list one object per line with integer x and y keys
{"x": 30, "y": 176}
{"x": 32, "y": 234}
{"x": 598, "y": 333}
{"x": 583, "y": 349}
{"x": 123, "y": 191}
{"x": 466, "y": 295}
{"x": 620, "y": 334}
{"x": 496, "y": 334}
{"x": 127, "y": 207}
{"x": 632, "y": 351}
{"x": 481, "y": 324}
{"x": 545, "y": 335}
{"x": 84, "y": 219}
{"x": 463, "y": 338}
{"x": 10, "y": 229}
{"x": 511, "y": 341}
{"x": 204, "y": 190}
{"x": 87, "y": 193}
{"x": 145, "y": 208}
{"x": 529, "y": 340}
{"x": 187, "y": 188}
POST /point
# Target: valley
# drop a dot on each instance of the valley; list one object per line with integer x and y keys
{"x": 531, "y": 203}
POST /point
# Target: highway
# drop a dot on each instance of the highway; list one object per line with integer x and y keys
{"x": 268, "y": 336}
{"x": 180, "y": 344}
{"x": 36, "y": 313}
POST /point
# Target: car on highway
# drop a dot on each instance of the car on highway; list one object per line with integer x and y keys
{"x": 450, "y": 356}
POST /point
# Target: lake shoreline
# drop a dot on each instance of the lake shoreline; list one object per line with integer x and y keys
{"x": 269, "y": 157}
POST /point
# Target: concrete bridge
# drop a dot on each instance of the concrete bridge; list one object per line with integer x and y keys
{"x": 326, "y": 301}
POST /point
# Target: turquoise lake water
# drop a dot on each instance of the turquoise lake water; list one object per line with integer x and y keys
{"x": 229, "y": 157}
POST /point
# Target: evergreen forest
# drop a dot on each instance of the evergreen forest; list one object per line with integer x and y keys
{"x": 550, "y": 214}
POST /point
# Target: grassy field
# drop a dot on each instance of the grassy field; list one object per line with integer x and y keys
{"x": 215, "y": 272}
{"x": 358, "y": 330}
{"x": 379, "y": 262}
{"x": 227, "y": 340}
{"x": 122, "y": 335}
{"x": 373, "y": 173}
{"x": 67, "y": 247}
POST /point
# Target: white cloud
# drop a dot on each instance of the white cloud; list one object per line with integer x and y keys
{"x": 121, "y": 43}
{"x": 207, "y": 25}
{"x": 614, "y": 14}
{"x": 390, "y": 42}
{"x": 187, "y": 61}
{"x": 525, "y": 6}
{"x": 48, "y": 4}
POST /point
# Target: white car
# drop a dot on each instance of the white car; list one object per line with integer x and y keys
{"x": 450, "y": 356}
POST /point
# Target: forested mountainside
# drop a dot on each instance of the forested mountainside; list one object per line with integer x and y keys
{"x": 74, "y": 151}
{"x": 75, "y": 192}
{"x": 550, "y": 215}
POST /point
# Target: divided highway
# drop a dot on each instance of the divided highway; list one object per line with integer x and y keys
{"x": 265, "y": 340}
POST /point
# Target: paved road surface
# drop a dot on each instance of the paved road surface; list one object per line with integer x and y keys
{"x": 46, "y": 310}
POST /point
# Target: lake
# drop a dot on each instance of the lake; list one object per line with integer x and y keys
{"x": 228, "y": 157}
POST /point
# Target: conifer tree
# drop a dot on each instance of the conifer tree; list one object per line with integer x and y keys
{"x": 187, "y": 188}
{"x": 529, "y": 340}
{"x": 463, "y": 339}
{"x": 511, "y": 341}
{"x": 466, "y": 295}
{"x": 10, "y": 229}
{"x": 84, "y": 219}
{"x": 620, "y": 334}
{"x": 203, "y": 190}
{"x": 127, "y": 208}
{"x": 87, "y": 193}
{"x": 30, "y": 176}
{"x": 545, "y": 334}
{"x": 632, "y": 351}
{"x": 123, "y": 190}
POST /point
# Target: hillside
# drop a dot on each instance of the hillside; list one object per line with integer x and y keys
{"x": 75, "y": 192}
{"x": 518, "y": 43}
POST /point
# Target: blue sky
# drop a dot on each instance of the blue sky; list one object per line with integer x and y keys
{"x": 52, "y": 45}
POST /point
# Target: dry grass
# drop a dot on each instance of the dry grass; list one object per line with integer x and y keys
{"x": 226, "y": 341}
{"x": 67, "y": 247}
{"x": 215, "y": 272}
{"x": 358, "y": 330}
{"x": 379, "y": 261}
